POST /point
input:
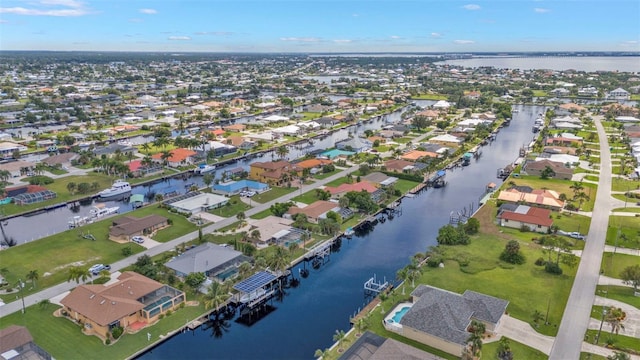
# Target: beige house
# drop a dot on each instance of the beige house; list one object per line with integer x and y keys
{"x": 440, "y": 318}
{"x": 132, "y": 299}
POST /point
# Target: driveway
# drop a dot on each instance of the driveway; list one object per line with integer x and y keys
{"x": 631, "y": 323}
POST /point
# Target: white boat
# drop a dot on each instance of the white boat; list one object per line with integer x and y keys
{"x": 119, "y": 187}
{"x": 77, "y": 221}
{"x": 100, "y": 210}
{"x": 203, "y": 169}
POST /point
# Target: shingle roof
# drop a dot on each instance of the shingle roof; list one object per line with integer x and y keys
{"x": 14, "y": 336}
{"x": 370, "y": 346}
{"x": 447, "y": 315}
{"x": 203, "y": 258}
{"x": 128, "y": 225}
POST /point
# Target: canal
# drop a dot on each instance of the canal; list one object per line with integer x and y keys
{"x": 307, "y": 316}
{"x": 56, "y": 220}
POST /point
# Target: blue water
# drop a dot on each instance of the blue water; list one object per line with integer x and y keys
{"x": 400, "y": 313}
{"x": 309, "y": 315}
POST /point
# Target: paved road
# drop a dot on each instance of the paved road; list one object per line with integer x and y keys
{"x": 568, "y": 343}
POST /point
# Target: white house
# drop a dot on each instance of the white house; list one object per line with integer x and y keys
{"x": 618, "y": 94}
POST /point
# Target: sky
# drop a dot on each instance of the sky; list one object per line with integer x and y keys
{"x": 307, "y": 26}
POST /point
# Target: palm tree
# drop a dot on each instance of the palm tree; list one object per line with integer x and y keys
{"x": 582, "y": 197}
{"x": 576, "y": 187}
{"x": 33, "y": 276}
{"x": 71, "y": 186}
{"x": 403, "y": 275}
{"x": 504, "y": 349}
{"x": 413, "y": 272}
{"x": 614, "y": 318}
{"x": 146, "y": 147}
{"x": 282, "y": 151}
{"x": 339, "y": 337}
{"x": 321, "y": 353}
{"x": 477, "y": 330}
{"x": 165, "y": 157}
{"x": 216, "y": 295}
{"x": 279, "y": 260}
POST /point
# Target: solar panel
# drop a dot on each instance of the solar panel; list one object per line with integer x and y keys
{"x": 256, "y": 281}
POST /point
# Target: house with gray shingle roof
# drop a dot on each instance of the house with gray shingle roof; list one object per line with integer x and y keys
{"x": 440, "y": 318}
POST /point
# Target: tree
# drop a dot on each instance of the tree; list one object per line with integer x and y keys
{"x": 403, "y": 275}
{"x": 614, "y": 317}
{"x": 631, "y": 276}
{"x": 512, "y": 254}
{"x": 279, "y": 209}
{"x": 619, "y": 355}
{"x": 282, "y": 151}
{"x": 576, "y": 187}
{"x": 44, "y": 304}
{"x": 477, "y": 330}
{"x": 321, "y": 353}
{"x": 472, "y": 226}
{"x": 195, "y": 279}
{"x": 279, "y": 259}
{"x": 450, "y": 235}
{"x": 504, "y": 349}
{"x": 33, "y": 276}
{"x": 241, "y": 216}
{"x": 144, "y": 265}
{"x": 339, "y": 337}
{"x": 413, "y": 272}
{"x": 547, "y": 173}
{"x": 216, "y": 295}
{"x": 207, "y": 179}
{"x": 71, "y": 186}
{"x": 420, "y": 122}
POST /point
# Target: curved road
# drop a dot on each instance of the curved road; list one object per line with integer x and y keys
{"x": 575, "y": 321}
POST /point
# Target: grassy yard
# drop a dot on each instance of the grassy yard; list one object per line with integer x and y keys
{"x": 53, "y": 255}
{"x": 572, "y": 222}
{"x": 429, "y": 97}
{"x": 620, "y": 341}
{"x": 613, "y": 264}
{"x": 620, "y": 293}
{"x": 540, "y": 93}
{"x": 405, "y": 185}
{"x": 560, "y": 186}
{"x": 307, "y": 198}
{"x": 629, "y": 232}
{"x": 321, "y": 176}
{"x": 628, "y": 209}
{"x": 519, "y": 350}
{"x": 590, "y": 356}
{"x": 262, "y": 214}
{"x": 233, "y": 207}
{"x": 273, "y": 194}
{"x": 59, "y": 186}
{"x": 64, "y": 340}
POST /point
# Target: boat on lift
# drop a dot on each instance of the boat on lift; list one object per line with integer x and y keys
{"x": 204, "y": 169}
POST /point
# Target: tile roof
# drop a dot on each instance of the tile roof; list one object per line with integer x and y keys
{"x": 312, "y": 163}
{"x": 177, "y": 155}
{"x": 315, "y": 209}
{"x": 359, "y": 186}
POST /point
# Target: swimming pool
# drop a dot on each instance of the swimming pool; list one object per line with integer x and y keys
{"x": 397, "y": 316}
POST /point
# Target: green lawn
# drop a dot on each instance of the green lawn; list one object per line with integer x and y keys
{"x": 405, "y": 185}
{"x": 54, "y": 254}
{"x": 262, "y": 214}
{"x": 339, "y": 181}
{"x": 273, "y": 194}
{"x": 307, "y": 198}
{"x": 613, "y": 264}
{"x": 590, "y": 356}
{"x": 429, "y": 97}
{"x": 628, "y": 209}
{"x": 519, "y": 350}
{"x": 233, "y": 207}
{"x": 322, "y": 175}
{"x": 620, "y": 293}
{"x": 59, "y": 186}
{"x": 620, "y": 342}
{"x": 572, "y": 222}
{"x": 527, "y": 287}
{"x": 403, "y": 140}
{"x": 540, "y": 93}
{"x": 629, "y": 232}
{"x": 64, "y": 340}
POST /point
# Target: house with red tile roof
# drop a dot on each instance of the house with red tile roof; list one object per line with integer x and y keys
{"x": 534, "y": 218}
{"x": 414, "y": 155}
{"x": 179, "y": 157}
{"x": 315, "y": 211}
{"x": 342, "y": 189}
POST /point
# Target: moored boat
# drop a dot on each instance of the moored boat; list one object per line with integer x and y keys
{"x": 100, "y": 210}
{"x": 203, "y": 169}
{"x": 119, "y": 187}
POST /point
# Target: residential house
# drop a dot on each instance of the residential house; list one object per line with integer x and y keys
{"x": 565, "y": 139}
{"x": 520, "y": 216}
{"x": 446, "y": 140}
{"x": 272, "y": 230}
{"x": 274, "y": 173}
{"x": 441, "y": 319}
{"x": 213, "y": 260}
{"x": 415, "y": 155}
{"x": 235, "y": 128}
{"x": 399, "y": 165}
{"x": 342, "y": 189}
{"x": 545, "y": 198}
{"x": 231, "y": 188}
{"x": 195, "y": 202}
{"x": 179, "y": 157}
{"x": 327, "y": 122}
{"x": 7, "y": 148}
{"x": 132, "y": 299}
{"x": 381, "y": 179}
{"x": 16, "y": 343}
{"x": 569, "y": 108}
{"x": 558, "y": 170}
{"x": 370, "y": 346}
{"x": 560, "y": 92}
{"x": 240, "y": 142}
{"x": 356, "y": 144}
{"x": 618, "y": 94}
{"x": 126, "y": 227}
{"x": 314, "y": 211}
{"x": 314, "y": 165}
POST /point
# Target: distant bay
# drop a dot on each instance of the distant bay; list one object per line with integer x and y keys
{"x": 560, "y": 63}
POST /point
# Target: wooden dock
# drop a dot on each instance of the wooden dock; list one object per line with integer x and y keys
{"x": 417, "y": 189}
{"x": 364, "y": 312}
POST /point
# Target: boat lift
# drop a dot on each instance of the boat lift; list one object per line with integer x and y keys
{"x": 372, "y": 286}
{"x": 321, "y": 250}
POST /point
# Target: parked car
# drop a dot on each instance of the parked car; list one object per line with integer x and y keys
{"x": 576, "y": 235}
{"x": 137, "y": 239}
{"x": 95, "y": 269}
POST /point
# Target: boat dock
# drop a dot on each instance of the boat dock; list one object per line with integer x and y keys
{"x": 417, "y": 189}
{"x": 373, "y": 286}
{"x": 319, "y": 251}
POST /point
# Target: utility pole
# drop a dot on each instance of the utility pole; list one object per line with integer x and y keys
{"x": 21, "y": 286}
{"x": 604, "y": 312}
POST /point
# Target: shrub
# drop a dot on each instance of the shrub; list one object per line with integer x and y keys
{"x": 40, "y": 180}
{"x": 434, "y": 261}
{"x": 126, "y": 251}
{"x": 169, "y": 312}
{"x": 117, "y": 331}
{"x": 553, "y": 268}
{"x": 512, "y": 254}
{"x": 540, "y": 261}
{"x": 108, "y": 341}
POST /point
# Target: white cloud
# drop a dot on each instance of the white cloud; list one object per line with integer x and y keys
{"x": 179, "y": 38}
{"x": 136, "y": 20}
{"x": 541, "y": 10}
{"x": 342, "y": 41}
{"x": 464, "y": 41}
{"x": 300, "y": 39}
{"x": 471, "y": 7}
{"x": 148, "y": 11}
{"x": 44, "y": 8}
{"x": 3, "y": 21}
{"x": 216, "y": 33}
{"x": 355, "y": 15}
{"x": 395, "y": 37}
{"x": 436, "y": 35}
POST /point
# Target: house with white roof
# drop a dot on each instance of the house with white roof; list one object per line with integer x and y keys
{"x": 618, "y": 94}
{"x": 442, "y": 104}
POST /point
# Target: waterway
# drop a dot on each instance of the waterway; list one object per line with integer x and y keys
{"x": 307, "y": 316}
{"x": 560, "y": 63}
{"x": 54, "y": 221}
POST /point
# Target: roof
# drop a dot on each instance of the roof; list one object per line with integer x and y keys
{"x": 538, "y": 197}
{"x": 14, "y": 336}
{"x": 255, "y": 281}
{"x": 312, "y": 163}
{"x": 377, "y": 177}
{"x": 397, "y": 165}
{"x": 128, "y": 225}
{"x": 177, "y": 155}
{"x": 106, "y": 304}
{"x": 315, "y": 209}
{"x": 271, "y": 165}
{"x": 528, "y": 215}
{"x": 414, "y": 155}
{"x": 447, "y": 315}
{"x": 371, "y": 346}
{"x": 542, "y": 164}
{"x": 203, "y": 258}
{"x": 359, "y": 186}
{"x": 270, "y": 226}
